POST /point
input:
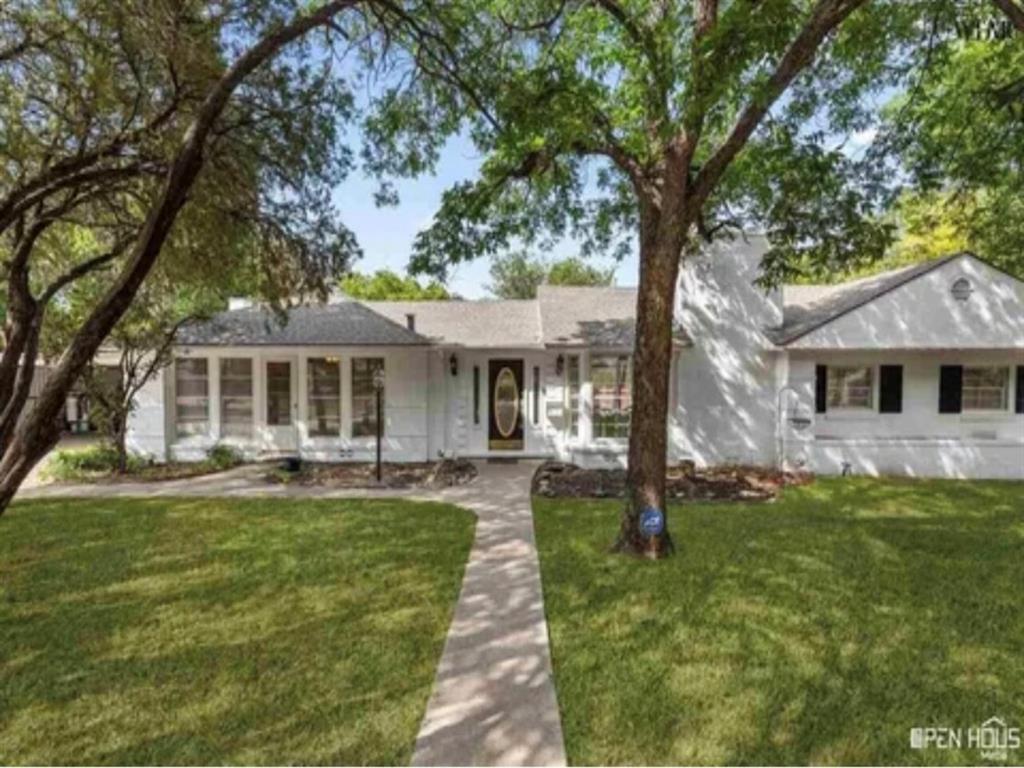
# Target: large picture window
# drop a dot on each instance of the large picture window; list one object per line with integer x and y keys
{"x": 610, "y": 378}
{"x": 324, "y": 394}
{"x": 191, "y": 396}
{"x": 572, "y": 394}
{"x": 850, "y": 387}
{"x": 986, "y": 389}
{"x": 236, "y": 397}
{"x": 364, "y": 400}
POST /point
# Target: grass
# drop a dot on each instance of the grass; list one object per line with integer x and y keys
{"x": 222, "y": 631}
{"x": 818, "y": 629}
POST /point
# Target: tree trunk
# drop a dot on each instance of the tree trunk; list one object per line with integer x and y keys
{"x": 660, "y": 249}
{"x": 119, "y": 434}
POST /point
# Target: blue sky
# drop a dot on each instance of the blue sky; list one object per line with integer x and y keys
{"x": 386, "y": 234}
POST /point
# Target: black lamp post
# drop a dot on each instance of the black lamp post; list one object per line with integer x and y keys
{"x": 378, "y": 389}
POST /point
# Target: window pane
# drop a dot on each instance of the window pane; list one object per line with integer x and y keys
{"x": 191, "y": 402}
{"x": 850, "y": 387}
{"x": 236, "y": 397}
{"x": 986, "y": 389}
{"x": 279, "y": 394}
{"x": 610, "y": 378}
{"x": 324, "y": 397}
{"x": 364, "y": 401}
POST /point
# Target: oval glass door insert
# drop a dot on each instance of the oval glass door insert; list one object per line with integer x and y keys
{"x": 506, "y": 402}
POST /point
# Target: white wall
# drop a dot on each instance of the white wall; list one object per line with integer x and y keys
{"x": 147, "y": 428}
{"x": 919, "y": 441}
{"x": 924, "y": 314}
{"x": 728, "y": 381}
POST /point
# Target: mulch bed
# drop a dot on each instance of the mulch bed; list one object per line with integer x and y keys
{"x": 683, "y": 481}
{"x": 425, "y": 474}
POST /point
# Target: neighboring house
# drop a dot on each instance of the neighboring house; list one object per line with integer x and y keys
{"x": 918, "y": 371}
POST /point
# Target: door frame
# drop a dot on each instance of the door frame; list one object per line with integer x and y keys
{"x": 494, "y": 367}
{"x": 281, "y": 437}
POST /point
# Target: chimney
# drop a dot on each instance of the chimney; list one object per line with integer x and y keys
{"x": 410, "y": 321}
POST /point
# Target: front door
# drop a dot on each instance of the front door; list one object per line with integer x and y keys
{"x": 281, "y": 404}
{"x": 505, "y": 428}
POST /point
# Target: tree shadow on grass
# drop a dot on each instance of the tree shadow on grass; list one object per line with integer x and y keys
{"x": 818, "y": 629}
{"x": 223, "y": 631}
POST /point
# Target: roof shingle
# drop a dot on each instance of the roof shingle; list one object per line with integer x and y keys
{"x": 346, "y": 322}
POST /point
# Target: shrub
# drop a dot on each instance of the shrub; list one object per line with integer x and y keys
{"x": 80, "y": 463}
{"x": 223, "y": 457}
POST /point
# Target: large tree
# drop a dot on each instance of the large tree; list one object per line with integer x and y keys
{"x": 209, "y": 130}
{"x": 659, "y": 125}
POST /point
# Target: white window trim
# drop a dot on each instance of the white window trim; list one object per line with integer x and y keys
{"x": 253, "y": 368}
{"x": 306, "y": 414}
{"x": 603, "y": 440}
{"x": 1009, "y": 394}
{"x": 360, "y": 440}
{"x": 854, "y": 412}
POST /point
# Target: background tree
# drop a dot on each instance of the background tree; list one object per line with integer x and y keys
{"x": 517, "y": 275}
{"x": 959, "y": 136}
{"x": 575, "y": 271}
{"x": 385, "y": 285}
{"x": 661, "y": 125}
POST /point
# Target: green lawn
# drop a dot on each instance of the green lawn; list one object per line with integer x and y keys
{"x": 818, "y": 629}
{"x": 226, "y": 631}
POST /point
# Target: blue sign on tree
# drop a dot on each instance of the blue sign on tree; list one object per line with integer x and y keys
{"x": 652, "y": 522}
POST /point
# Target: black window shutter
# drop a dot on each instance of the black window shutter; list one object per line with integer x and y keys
{"x": 951, "y": 388}
{"x": 1020, "y": 389}
{"x": 890, "y": 398}
{"x": 820, "y": 388}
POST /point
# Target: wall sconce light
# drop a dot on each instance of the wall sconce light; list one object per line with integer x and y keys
{"x": 559, "y": 364}
{"x": 453, "y": 364}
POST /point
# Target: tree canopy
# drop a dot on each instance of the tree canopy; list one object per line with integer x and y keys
{"x": 517, "y": 275}
{"x": 386, "y": 285}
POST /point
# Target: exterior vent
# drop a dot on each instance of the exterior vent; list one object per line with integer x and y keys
{"x": 410, "y": 321}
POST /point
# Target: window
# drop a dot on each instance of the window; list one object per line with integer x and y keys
{"x": 850, "y": 387}
{"x": 364, "y": 399}
{"x": 610, "y": 376}
{"x": 324, "y": 396}
{"x": 279, "y": 394}
{"x": 191, "y": 396}
{"x": 572, "y": 394}
{"x": 236, "y": 397}
{"x": 986, "y": 389}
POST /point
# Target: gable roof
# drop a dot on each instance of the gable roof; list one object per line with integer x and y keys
{"x": 346, "y": 322}
{"x": 808, "y": 307}
{"x": 483, "y": 323}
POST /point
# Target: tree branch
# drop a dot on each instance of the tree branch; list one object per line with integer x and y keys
{"x": 826, "y": 17}
{"x": 1013, "y": 11}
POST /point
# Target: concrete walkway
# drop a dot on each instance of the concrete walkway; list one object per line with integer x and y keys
{"x": 493, "y": 701}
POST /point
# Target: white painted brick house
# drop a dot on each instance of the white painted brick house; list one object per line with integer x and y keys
{"x": 918, "y": 371}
